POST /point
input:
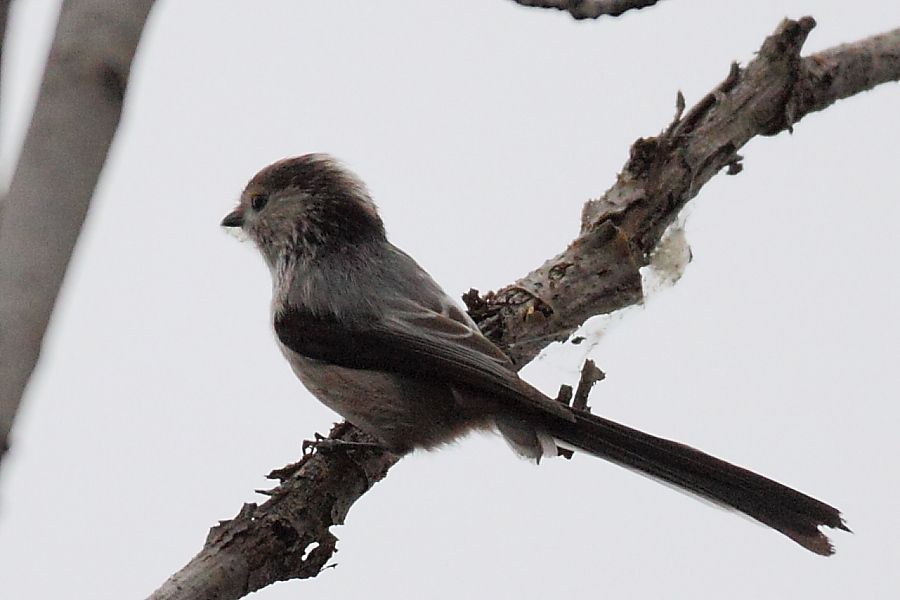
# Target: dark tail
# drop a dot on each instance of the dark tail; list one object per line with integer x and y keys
{"x": 794, "y": 514}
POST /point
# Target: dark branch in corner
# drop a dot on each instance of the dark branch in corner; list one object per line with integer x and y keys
{"x": 289, "y": 535}
{"x": 4, "y": 18}
{"x": 590, "y": 9}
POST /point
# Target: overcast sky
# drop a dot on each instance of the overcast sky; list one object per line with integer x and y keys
{"x": 481, "y": 128}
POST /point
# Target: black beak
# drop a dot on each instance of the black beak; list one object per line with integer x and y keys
{"x": 234, "y": 219}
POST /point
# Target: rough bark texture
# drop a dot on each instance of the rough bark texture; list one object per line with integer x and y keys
{"x": 590, "y": 9}
{"x": 288, "y": 537}
{"x": 598, "y": 273}
{"x": 76, "y": 115}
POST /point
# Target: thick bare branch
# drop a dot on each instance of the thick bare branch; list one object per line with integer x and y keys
{"x": 598, "y": 273}
{"x": 590, "y": 9}
{"x": 828, "y": 76}
{"x": 287, "y": 537}
{"x": 76, "y": 115}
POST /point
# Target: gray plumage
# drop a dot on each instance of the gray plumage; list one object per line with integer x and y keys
{"x": 372, "y": 336}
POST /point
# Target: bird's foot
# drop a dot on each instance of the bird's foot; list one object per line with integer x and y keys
{"x": 323, "y": 443}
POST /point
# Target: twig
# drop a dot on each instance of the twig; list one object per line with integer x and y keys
{"x": 590, "y": 375}
{"x": 597, "y": 274}
{"x": 621, "y": 229}
{"x": 564, "y": 395}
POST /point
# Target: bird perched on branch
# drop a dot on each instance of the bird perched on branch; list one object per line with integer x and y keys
{"x": 372, "y": 336}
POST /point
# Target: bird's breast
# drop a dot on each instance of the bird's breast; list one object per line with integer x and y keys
{"x": 402, "y": 412}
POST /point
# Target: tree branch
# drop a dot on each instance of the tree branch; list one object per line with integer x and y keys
{"x": 590, "y": 9}
{"x": 75, "y": 118}
{"x": 4, "y": 18}
{"x": 597, "y": 274}
{"x": 600, "y": 270}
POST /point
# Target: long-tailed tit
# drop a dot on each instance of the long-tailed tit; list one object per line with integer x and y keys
{"x": 372, "y": 336}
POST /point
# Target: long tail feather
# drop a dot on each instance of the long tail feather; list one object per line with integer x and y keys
{"x": 793, "y": 513}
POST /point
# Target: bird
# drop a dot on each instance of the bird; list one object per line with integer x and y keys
{"x": 372, "y": 336}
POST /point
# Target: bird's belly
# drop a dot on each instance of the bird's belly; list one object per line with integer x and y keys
{"x": 403, "y": 413}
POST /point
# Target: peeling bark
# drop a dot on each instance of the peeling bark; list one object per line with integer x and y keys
{"x": 598, "y": 273}
{"x": 288, "y": 537}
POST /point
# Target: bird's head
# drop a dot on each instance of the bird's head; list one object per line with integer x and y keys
{"x": 305, "y": 206}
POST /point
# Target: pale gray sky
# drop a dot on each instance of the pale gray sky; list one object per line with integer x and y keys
{"x": 481, "y": 127}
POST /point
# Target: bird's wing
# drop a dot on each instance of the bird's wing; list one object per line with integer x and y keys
{"x": 414, "y": 340}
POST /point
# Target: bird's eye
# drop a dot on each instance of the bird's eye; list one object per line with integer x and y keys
{"x": 258, "y": 201}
